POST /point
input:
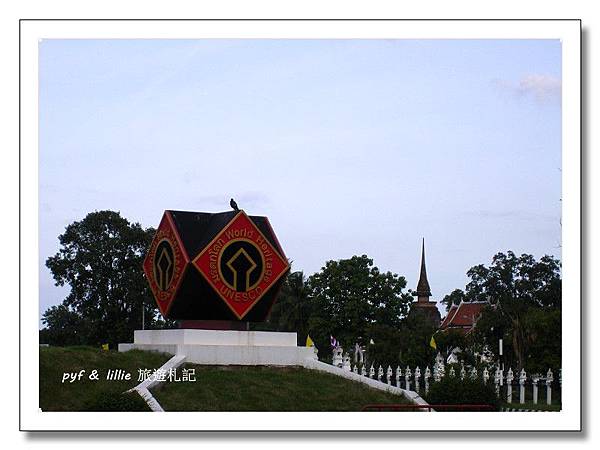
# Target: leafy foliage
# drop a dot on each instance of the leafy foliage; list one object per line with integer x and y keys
{"x": 355, "y": 302}
{"x": 101, "y": 260}
{"x": 454, "y": 391}
{"x": 415, "y": 335}
{"x": 292, "y": 309}
{"x": 451, "y": 339}
{"x": 525, "y": 302}
{"x": 521, "y": 280}
{"x": 453, "y": 298}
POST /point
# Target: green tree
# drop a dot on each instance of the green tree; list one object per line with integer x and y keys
{"x": 520, "y": 291}
{"x": 63, "y": 327}
{"x": 448, "y": 340}
{"x": 517, "y": 278}
{"x": 543, "y": 327}
{"x": 100, "y": 258}
{"x": 454, "y": 391}
{"x": 414, "y": 339}
{"x": 355, "y": 302}
{"x": 292, "y": 309}
{"x": 453, "y": 298}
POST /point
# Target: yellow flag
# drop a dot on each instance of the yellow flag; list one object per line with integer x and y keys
{"x": 309, "y": 341}
{"x": 432, "y": 343}
{"x": 105, "y": 347}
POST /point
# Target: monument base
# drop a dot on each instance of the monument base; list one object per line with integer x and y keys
{"x": 225, "y": 347}
{"x": 214, "y": 325}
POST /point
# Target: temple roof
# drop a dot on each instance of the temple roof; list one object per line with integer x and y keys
{"x": 464, "y": 316}
{"x": 423, "y": 289}
{"x": 449, "y": 316}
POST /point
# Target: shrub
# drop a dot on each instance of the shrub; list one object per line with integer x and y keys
{"x": 454, "y": 391}
{"x": 116, "y": 401}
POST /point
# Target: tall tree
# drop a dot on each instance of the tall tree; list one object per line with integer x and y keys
{"x": 292, "y": 309}
{"x": 414, "y": 341}
{"x": 516, "y": 287}
{"x": 100, "y": 258}
{"x": 353, "y": 301}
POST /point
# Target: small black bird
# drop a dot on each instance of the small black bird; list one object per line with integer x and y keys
{"x": 234, "y": 205}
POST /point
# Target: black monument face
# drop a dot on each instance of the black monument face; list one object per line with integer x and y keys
{"x": 221, "y": 266}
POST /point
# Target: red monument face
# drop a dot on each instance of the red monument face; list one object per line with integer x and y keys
{"x": 223, "y": 266}
{"x": 165, "y": 264}
{"x": 240, "y": 264}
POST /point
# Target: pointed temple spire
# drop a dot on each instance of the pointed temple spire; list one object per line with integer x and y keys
{"x": 424, "y": 305}
{"x": 423, "y": 289}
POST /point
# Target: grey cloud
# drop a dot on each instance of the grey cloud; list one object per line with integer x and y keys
{"x": 541, "y": 87}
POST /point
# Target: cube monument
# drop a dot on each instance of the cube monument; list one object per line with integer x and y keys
{"x": 225, "y": 266}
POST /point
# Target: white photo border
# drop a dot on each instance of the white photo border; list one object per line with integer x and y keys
{"x": 569, "y": 33}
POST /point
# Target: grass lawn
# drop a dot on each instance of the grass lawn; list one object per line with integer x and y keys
{"x": 257, "y": 388}
{"x": 217, "y": 388}
{"x": 84, "y": 395}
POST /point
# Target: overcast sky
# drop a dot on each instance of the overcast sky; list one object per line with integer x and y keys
{"x": 350, "y": 147}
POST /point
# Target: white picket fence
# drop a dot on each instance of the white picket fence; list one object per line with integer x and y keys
{"x": 411, "y": 380}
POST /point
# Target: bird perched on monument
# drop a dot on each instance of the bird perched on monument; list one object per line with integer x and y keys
{"x": 234, "y": 205}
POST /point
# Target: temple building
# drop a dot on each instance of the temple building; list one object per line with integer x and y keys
{"x": 463, "y": 317}
{"x": 423, "y": 292}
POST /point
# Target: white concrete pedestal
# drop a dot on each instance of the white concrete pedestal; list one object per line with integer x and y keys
{"x": 225, "y": 347}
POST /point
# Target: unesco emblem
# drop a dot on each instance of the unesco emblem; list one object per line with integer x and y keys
{"x": 241, "y": 264}
{"x": 164, "y": 265}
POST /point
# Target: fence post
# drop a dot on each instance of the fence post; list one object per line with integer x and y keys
{"x": 522, "y": 378}
{"x": 439, "y": 371}
{"x": 451, "y": 372}
{"x": 486, "y": 375}
{"x": 398, "y": 374}
{"x": 509, "y": 378}
{"x": 417, "y": 376}
{"x": 346, "y": 363}
{"x": 372, "y": 371}
{"x": 473, "y": 373}
{"x": 439, "y": 359}
{"x": 380, "y": 373}
{"x": 407, "y": 374}
{"x": 388, "y": 375}
{"x": 462, "y": 372}
{"x": 534, "y": 380}
{"x": 426, "y": 377}
{"x": 497, "y": 377}
{"x": 355, "y": 369}
{"x": 549, "y": 379}
{"x": 363, "y": 371}
{"x": 337, "y": 356}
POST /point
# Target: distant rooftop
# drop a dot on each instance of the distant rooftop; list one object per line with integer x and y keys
{"x": 463, "y": 317}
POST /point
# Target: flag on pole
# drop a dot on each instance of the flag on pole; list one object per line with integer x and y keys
{"x": 309, "y": 341}
{"x": 105, "y": 347}
{"x": 432, "y": 343}
{"x": 334, "y": 342}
